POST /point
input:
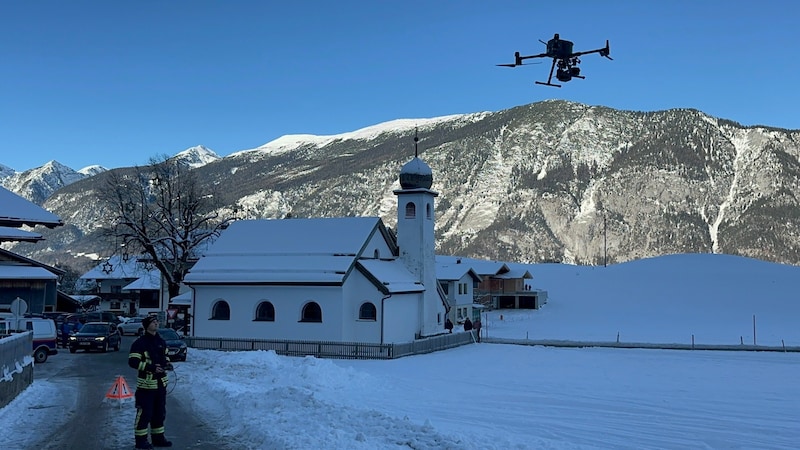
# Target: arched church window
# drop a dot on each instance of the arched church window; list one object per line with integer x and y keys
{"x": 311, "y": 312}
{"x": 221, "y": 310}
{"x": 265, "y": 312}
{"x": 367, "y": 311}
{"x": 411, "y": 210}
{"x": 428, "y": 212}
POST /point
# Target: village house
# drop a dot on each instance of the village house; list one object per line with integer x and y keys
{"x": 20, "y": 277}
{"x": 458, "y": 281}
{"x": 125, "y": 285}
{"x": 342, "y": 279}
{"x": 502, "y": 286}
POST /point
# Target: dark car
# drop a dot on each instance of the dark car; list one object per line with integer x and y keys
{"x": 95, "y": 336}
{"x": 176, "y": 346}
{"x": 93, "y": 316}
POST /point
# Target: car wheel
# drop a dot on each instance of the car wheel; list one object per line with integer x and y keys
{"x": 73, "y": 350}
{"x": 40, "y": 355}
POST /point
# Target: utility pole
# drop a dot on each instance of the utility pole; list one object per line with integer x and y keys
{"x": 605, "y": 241}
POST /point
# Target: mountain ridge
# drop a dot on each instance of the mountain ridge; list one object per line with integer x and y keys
{"x": 547, "y": 181}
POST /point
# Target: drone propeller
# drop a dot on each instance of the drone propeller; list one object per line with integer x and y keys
{"x": 515, "y": 65}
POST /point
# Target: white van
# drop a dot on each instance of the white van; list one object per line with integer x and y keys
{"x": 45, "y": 336}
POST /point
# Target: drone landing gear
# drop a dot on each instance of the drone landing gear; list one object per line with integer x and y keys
{"x": 548, "y": 84}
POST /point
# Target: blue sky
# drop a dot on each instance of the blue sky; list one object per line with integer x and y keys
{"x": 114, "y": 83}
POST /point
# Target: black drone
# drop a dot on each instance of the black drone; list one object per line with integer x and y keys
{"x": 563, "y": 57}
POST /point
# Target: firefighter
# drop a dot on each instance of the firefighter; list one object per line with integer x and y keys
{"x": 149, "y": 356}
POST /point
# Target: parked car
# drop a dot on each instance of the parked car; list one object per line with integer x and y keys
{"x": 45, "y": 335}
{"x": 176, "y": 346}
{"x": 94, "y": 316}
{"x": 95, "y": 336}
{"x": 132, "y": 326}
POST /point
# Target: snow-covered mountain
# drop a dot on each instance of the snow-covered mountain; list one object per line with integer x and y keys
{"x": 197, "y": 156}
{"x": 92, "y": 170}
{"x": 5, "y": 172}
{"x": 39, "y": 183}
{"x": 549, "y": 181}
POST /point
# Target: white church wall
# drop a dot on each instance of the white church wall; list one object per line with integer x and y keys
{"x": 400, "y": 323}
{"x": 288, "y": 302}
{"x": 357, "y": 290}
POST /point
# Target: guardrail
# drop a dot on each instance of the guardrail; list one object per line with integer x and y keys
{"x": 15, "y": 374}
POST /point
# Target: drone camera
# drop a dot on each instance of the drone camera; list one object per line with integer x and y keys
{"x": 574, "y": 71}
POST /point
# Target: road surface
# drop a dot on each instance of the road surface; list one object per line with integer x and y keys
{"x": 94, "y": 422}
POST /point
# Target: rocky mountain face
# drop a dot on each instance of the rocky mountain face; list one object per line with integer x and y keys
{"x": 38, "y": 184}
{"x": 549, "y": 181}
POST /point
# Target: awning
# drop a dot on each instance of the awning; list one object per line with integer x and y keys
{"x": 184, "y": 299}
{"x": 87, "y": 300}
{"x": 14, "y": 272}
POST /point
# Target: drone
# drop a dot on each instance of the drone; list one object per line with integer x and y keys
{"x": 563, "y": 57}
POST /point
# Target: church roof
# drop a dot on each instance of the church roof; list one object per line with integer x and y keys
{"x": 390, "y": 276}
{"x": 286, "y": 251}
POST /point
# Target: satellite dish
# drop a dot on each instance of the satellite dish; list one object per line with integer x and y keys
{"x": 19, "y": 307}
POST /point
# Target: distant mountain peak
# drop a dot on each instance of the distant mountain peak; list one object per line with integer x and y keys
{"x": 92, "y": 170}
{"x": 197, "y": 156}
{"x": 37, "y": 184}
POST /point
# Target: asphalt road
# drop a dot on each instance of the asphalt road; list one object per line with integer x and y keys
{"x": 95, "y": 422}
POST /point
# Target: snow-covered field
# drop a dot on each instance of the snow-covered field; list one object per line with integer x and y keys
{"x": 491, "y": 396}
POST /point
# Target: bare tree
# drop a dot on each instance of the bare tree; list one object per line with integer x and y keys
{"x": 163, "y": 212}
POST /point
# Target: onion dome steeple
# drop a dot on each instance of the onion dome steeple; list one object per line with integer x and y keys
{"x": 416, "y": 174}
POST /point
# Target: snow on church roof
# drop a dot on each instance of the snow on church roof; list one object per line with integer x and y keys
{"x": 319, "y": 250}
{"x": 392, "y": 275}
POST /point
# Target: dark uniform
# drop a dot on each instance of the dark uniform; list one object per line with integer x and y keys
{"x": 148, "y": 352}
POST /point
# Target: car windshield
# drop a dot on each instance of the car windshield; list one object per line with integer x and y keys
{"x": 169, "y": 335}
{"x": 94, "y": 328}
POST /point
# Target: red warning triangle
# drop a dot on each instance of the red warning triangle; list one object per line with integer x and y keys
{"x": 119, "y": 390}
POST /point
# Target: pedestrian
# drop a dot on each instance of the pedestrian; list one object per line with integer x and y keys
{"x": 149, "y": 356}
{"x": 448, "y": 325}
{"x": 477, "y": 326}
{"x": 467, "y": 324}
{"x": 66, "y": 329}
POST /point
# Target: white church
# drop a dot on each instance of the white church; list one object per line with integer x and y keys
{"x": 326, "y": 279}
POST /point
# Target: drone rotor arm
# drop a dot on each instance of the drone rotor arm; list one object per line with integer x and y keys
{"x": 604, "y": 52}
{"x": 540, "y": 55}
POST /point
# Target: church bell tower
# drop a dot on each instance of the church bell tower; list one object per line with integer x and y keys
{"x": 415, "y": 236}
